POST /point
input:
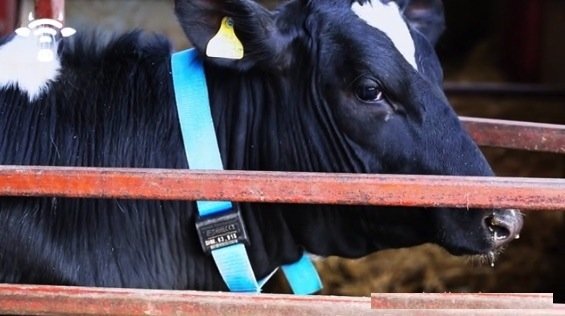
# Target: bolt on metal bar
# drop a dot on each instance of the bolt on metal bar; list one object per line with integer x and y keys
{"x": 281, "y": 187}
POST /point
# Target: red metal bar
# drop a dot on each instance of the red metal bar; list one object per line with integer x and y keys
{"x": 280, "y": 187}
{"x": 462, "y": 301}
{"x": 8, "y": 16}
{"x": 516, "y": 135}
{"x": 53, "y": 300}
{"x": 50, "y": 9}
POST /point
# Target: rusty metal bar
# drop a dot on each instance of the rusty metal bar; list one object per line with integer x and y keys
{"x": 496, "y": 89}
{"x": 92, "y": 301}
{"x": 280, "y": 187}
{"x": 516, "y": 135}
{"x": 50, "y": 9}
{"x": 462, "y": 301}
{"x": 8, "y": 16}
{"x": 59, "y": 300}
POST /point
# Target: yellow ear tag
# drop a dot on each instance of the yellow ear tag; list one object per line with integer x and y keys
{"x": 225, "y": 43}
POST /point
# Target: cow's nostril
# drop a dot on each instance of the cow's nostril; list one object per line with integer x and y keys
{"x": 497, "y": 229}
{"x": 503, "y": 226}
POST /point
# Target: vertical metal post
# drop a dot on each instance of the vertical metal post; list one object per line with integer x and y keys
{"x": 50, "y": 9}
{"x": 8, "y": 16}
{"x": 523, "y": 38}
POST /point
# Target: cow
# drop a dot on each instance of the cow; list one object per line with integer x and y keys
{"x": 340, "y": 86}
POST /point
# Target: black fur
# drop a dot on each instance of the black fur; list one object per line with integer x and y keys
{"x": 288, "y": 105}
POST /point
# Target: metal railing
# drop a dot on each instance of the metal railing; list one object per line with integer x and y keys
{"x": 59, "y": 300}
{"x": 284, "y": 187}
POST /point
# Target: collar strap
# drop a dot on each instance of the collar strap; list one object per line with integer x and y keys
{"x": 220, "y": 226}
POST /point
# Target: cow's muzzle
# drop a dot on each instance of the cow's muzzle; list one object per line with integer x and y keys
{"x": 503, "y": 226}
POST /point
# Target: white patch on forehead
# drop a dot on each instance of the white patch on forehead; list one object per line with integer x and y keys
{"x": 388, "y": 19}
{"x": 19, "y": 67}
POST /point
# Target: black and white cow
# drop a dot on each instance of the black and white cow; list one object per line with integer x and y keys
{"x": 324, "y": 86}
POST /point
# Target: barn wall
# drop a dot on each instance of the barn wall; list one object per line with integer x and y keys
{"x": 124, "y": 15}
{"x": 553, "y": 48}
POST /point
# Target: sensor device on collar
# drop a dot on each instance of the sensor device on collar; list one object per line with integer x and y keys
{"x": 221, "y": 231}
{"x": 220, "y": 226}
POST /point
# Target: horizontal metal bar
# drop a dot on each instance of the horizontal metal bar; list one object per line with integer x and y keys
{"x": 462, "y": 301}
{"x": 281, "y": 187}
{"x": 516, "y": 135}
{"x": 496, "y": 89}
{"x": 55, "y": 300}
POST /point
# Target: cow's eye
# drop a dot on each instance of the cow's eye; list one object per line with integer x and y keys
{"x": 368, "y": 91}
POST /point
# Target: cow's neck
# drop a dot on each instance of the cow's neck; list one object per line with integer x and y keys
{"x": 277, "y": 122}
{"x": 264, "y": 124}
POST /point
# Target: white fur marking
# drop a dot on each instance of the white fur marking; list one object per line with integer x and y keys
{"x": 388, "y": 19}
{"x": 19, "y": 66}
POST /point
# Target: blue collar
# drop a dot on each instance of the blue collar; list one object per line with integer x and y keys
{"x": 220, "y": 226}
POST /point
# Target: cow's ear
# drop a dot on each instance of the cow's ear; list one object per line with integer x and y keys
{"x": 426, "y": 16}
{"x": 217, "y": 27}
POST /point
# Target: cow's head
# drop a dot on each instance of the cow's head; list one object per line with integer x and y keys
{"x": 364, "y": 79}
